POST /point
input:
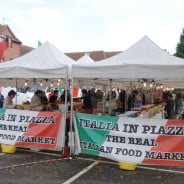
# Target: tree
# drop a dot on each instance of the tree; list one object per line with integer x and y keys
{"x": 180, "y": 46}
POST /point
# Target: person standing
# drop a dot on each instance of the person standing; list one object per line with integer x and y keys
{"x": 93, "y": 96}
{"x": 130, "y": 101}
{"x": 36, "y": 99}
{"x": 87, "y": 102}
{"x": 54, "y": 100}
{"x": 8, "y": 101}
{"x": 179, "y": 106}
{"x": 122, "y": 100}
{"x": 62, "y": 97}
{"x": 44, "y": 101}
{"x": 51, "y": 93}
{"x": 170, "y": 107}
{"x": 133, "y": 98}
{"x": 1, "y": 100}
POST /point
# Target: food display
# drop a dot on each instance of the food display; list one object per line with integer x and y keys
{"x": 147, "y": 111}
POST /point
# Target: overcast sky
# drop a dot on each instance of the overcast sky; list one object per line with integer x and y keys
{"x": 88, "y": 25}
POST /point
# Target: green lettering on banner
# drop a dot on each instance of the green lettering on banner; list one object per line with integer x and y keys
{"x": 96, "y": 131}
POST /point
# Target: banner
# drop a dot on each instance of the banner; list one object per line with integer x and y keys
{"x": 132, "y": 140}
{"x": 29, "y": 128}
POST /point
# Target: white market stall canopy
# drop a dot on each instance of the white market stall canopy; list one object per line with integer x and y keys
{"x": 45, "y": 61}
{"x": 86, "y": 59}
{"x": 145, "y": 52}
{"x": 143, "y": 60}
{"x": 129, "y": 71}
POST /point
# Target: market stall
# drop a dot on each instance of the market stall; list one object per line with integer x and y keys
{"x": 144, "y": 60}
{"x": 44, "y": 62}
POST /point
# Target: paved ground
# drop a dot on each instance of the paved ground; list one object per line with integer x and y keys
{"x": 28, "y": 167}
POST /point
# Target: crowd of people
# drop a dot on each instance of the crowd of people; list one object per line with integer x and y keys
{"x": 39, "y": 99}
{"x": 174, "y": 106}
{"x": 90, "y": 99}
{"x": 174, "y": 103}
{"x": 51, "y": 102}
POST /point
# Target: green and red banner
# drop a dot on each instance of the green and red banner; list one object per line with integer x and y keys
{"x": 30, "y": 128}
{"x": 132, "y": 140}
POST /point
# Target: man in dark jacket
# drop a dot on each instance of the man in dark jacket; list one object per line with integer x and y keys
{"x": 54, "y": 100}
{"x": 87, "y": 102}
{"x": 170, "y": 107}
{"x": 122, "y": 99}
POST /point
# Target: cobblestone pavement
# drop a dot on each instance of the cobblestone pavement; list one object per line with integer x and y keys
{"x": 31, "y": 167}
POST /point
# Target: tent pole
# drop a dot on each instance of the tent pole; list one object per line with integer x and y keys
{"x": 71, "y": 93}
{"x": 103, "y": 100}
{"x": 110, "y": 85}
{"x": 35, "y": 85}
{"x": 126, "y": 100}
{"x": 66, "y": 109}
{"x": 66, "y": 88}
{"x": 65, "y": 149}
{"x": 71, "y": 119}
{"x": 131, "y": 89}
{"x": 16, "y": 90}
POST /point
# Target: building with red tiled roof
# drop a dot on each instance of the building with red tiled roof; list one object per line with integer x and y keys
{"x": 95, "y": 55}
{"x": 14, "y": 50}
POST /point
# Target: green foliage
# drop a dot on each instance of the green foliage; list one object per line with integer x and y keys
{"x": 180, "y": 46}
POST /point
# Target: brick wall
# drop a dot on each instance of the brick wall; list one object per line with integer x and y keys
{"x": 12, "y": 53}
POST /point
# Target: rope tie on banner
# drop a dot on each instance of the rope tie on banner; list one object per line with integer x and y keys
{"x": 33, "y": 163}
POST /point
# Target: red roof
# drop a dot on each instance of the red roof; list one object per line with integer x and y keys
{"x": 95, "y": 55}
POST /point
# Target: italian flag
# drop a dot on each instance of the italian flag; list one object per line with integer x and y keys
{"x": 131, "y": 140}
{"x": 77, "y": 92}
{"x": 3, "y": 44}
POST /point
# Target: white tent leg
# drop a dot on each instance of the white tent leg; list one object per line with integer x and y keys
{"x": 71, "y": 137}
{"x": 110, "y": 85}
